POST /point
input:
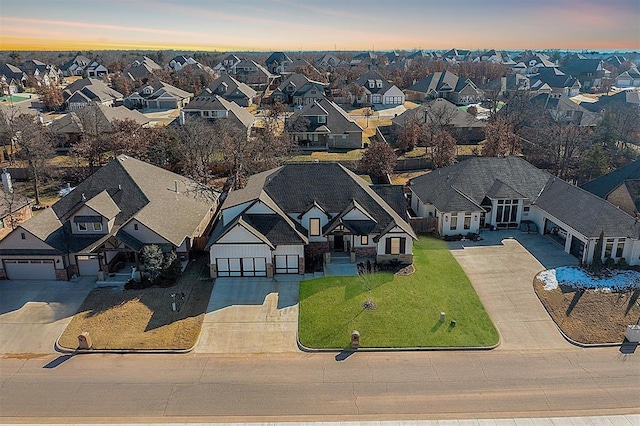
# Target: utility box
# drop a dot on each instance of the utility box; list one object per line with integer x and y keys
{"x": 633, "y": 333}
{"x": 84, "y": 341}
{"x": 442, "y": 316}
{"x": 355, "y": 339}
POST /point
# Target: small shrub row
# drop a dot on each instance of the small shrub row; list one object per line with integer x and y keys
{"x": 472, "y": 236}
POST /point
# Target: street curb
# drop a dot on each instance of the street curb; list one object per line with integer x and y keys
{"x": 567, "y": 338}
{"x": 66, "y": 350}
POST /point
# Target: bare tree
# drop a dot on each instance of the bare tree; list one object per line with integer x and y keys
{"x": 500, "y": 139}
{"x": 8, "y": 130}
{"x": 378, "y": 159}
{"x": 129, "y": 137}
{"x": 408, "y": 136}
{"x": 95, "y": 144}
{"x": 198, "y": 147}
{"x": 35, "y": 147}
{"x": 51, "y": 97}
{"x": 444, "y": 149}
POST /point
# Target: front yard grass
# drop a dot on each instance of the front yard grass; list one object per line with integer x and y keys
{"x": 144, "y": 319}
{"x": 407, "y": 310}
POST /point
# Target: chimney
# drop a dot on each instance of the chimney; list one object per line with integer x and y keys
{"x": 6, "y": 181}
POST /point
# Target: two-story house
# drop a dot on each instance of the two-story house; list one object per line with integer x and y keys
{"x": 107, "y": 219}
{"x": 215, "y": 107}
{"x": 460, "y": 91}
{"x": 158, "y": 95}
{"x": 231, "y": 89}
{"x": 298, "y": 89}
{"x": 323, "y": 125}
{"x": 378, "y": 90}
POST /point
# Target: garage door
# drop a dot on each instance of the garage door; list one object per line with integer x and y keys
{"x": 286, "y": 264}
{"x": 88, "y": 265}
{"x": 242, "y": 267}
{"x": 30, "y": 269}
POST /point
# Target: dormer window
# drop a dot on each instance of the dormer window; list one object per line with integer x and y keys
{"x": 379, "y": 84}
{"x": 372, "y": 84}
{"x": 314, "y": 227}
{"x": 82, "y": 227}
{"x": 322, "y": 119}
{"x": 97, "y": 226}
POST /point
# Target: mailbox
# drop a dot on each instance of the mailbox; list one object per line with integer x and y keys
{"x": 84, "y": 341}
{"x": 355, "y": 339}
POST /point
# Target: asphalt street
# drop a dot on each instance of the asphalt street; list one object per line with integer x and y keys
{"x": 323, "y": 386}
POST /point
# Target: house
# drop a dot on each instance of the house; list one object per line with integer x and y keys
{"x": 507, "y": 85}
{"x": 559, "y": 82}
{"x": 323, "y": 125}
{"x": 158, "y": 95}
{"x": 75, "y": 66}
{"x": 589, "y": 72}
{"x": 460, "y": 91}
{"x": 629, "y": 78}
{"x": 563, "y": 109}
{"x": 328, "y": 62}
{"x": 14, "y": 208}
{"x": 106, "y": 220}
{"x": 298, "y": 89}
{"x": 11, "y": 73}
{"x": 228, "y": 64}
{"x": 529, "y": 63}
{"x": 178, "y": 62}
{"x": 364, "y": 58}
{"x": 251, "y": 73}
{"x": 277, "y": 62}
{"x": 95, "y": 70}
{"x": 69, "y": 128}
{"x": 142, "y": 68}
{"x": 620, "y": 187}
{"x": 286, "y": 220}
{"x": 216, "y": 107}
{"x": 511, "y": 193}
{"x": 232, "y": 90}
{"x": 82, "y": 92}
{"x": 43, "y": 73}
{"x": 622, "y": 98}
{"x": 442, "y": 113}
{"x": 378, "y": 90}
{"x": 457, "y": 55}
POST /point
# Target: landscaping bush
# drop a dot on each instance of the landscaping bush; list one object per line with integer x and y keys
{"x": 622, "y": 263}
{"x": 609, "y": 263}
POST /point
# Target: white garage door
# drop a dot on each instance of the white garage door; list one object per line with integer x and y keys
{"x": 30, "y": 269}
{"x": 88, "y": 265}
{"x": 242, "y": 267}
{"x": 287, "y": 264}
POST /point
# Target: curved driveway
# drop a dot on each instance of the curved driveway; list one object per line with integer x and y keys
{"x": 502, "y": 271}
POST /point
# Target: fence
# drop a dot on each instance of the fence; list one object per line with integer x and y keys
{"x": 423, "y": 225}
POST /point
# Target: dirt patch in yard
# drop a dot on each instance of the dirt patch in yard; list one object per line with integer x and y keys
{"x": 590, "y": 316}
{"x": 144, "y": 319}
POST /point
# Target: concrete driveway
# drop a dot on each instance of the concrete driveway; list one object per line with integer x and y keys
{"x": 251, "y": 315}
{"x": 33, "y": 314}
{"x": 501, "y": 270}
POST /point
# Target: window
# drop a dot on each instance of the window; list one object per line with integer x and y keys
{"x": 22, "y": 235}
{"x": 454, "y": 222}
{"x": 364, "y": 240}
{"x": 620, "y": 248}
{"x": 395, "y": 245}
{"x": 97, "y": 226}
{"x": 507, "y": 211}
{"x": 467, "y": 221}
{"x": 314, "y": 227}
{"x": 82, "y": 226}
{"x": 526, "y": 209}
{"x": 135, "y": 226}
{"x": 608, "y": 248}
{"x": 322, "y": 119}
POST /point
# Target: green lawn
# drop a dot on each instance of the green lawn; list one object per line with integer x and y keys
{"x": 407, "y": 310}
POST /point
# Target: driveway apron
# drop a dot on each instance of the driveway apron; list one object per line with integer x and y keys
{"x": 502, "y": 273}
{"x": 251, "y": 315}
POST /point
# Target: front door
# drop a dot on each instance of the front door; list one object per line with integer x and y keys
{"x": 338, "y": 242}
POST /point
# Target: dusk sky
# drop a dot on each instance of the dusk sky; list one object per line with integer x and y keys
{"x": 319, "y": 25}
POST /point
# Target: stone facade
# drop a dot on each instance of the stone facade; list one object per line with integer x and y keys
{"x": 62, "y": 275}
{"x": 365, "y": 251}
{"x": 301, "y": 265}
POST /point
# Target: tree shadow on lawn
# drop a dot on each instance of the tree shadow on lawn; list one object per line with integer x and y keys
{"x": 576, "y": 298}
{"x": 632, "y": 301}
{"x": 363, "y": 283}
{"x": 191, "y": 296}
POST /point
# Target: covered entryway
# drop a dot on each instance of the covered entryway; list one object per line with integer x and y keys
{"x": 88, "y": 265}
{"x": 287, "y": 264}
{"x": 30, "y": 269}
{"x": 242, "y": 267}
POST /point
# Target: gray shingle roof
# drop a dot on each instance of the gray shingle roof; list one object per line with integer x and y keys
{"x": 467, "y": 183}
{"x": 71, "y": 122}
{"x": 441, "y": 81}
{"x": 441, "y": 109}
{"x": 138, "y": 190}
{"x": 232, "y": 88}
{"x": 218, "y": 103}
{"x": 338, "y": 121}
{"x": 603, "y": 185}
{"x": 374, "y": 77}
{"x": 586, "y": 212}
{"x": 92, "y": 88}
